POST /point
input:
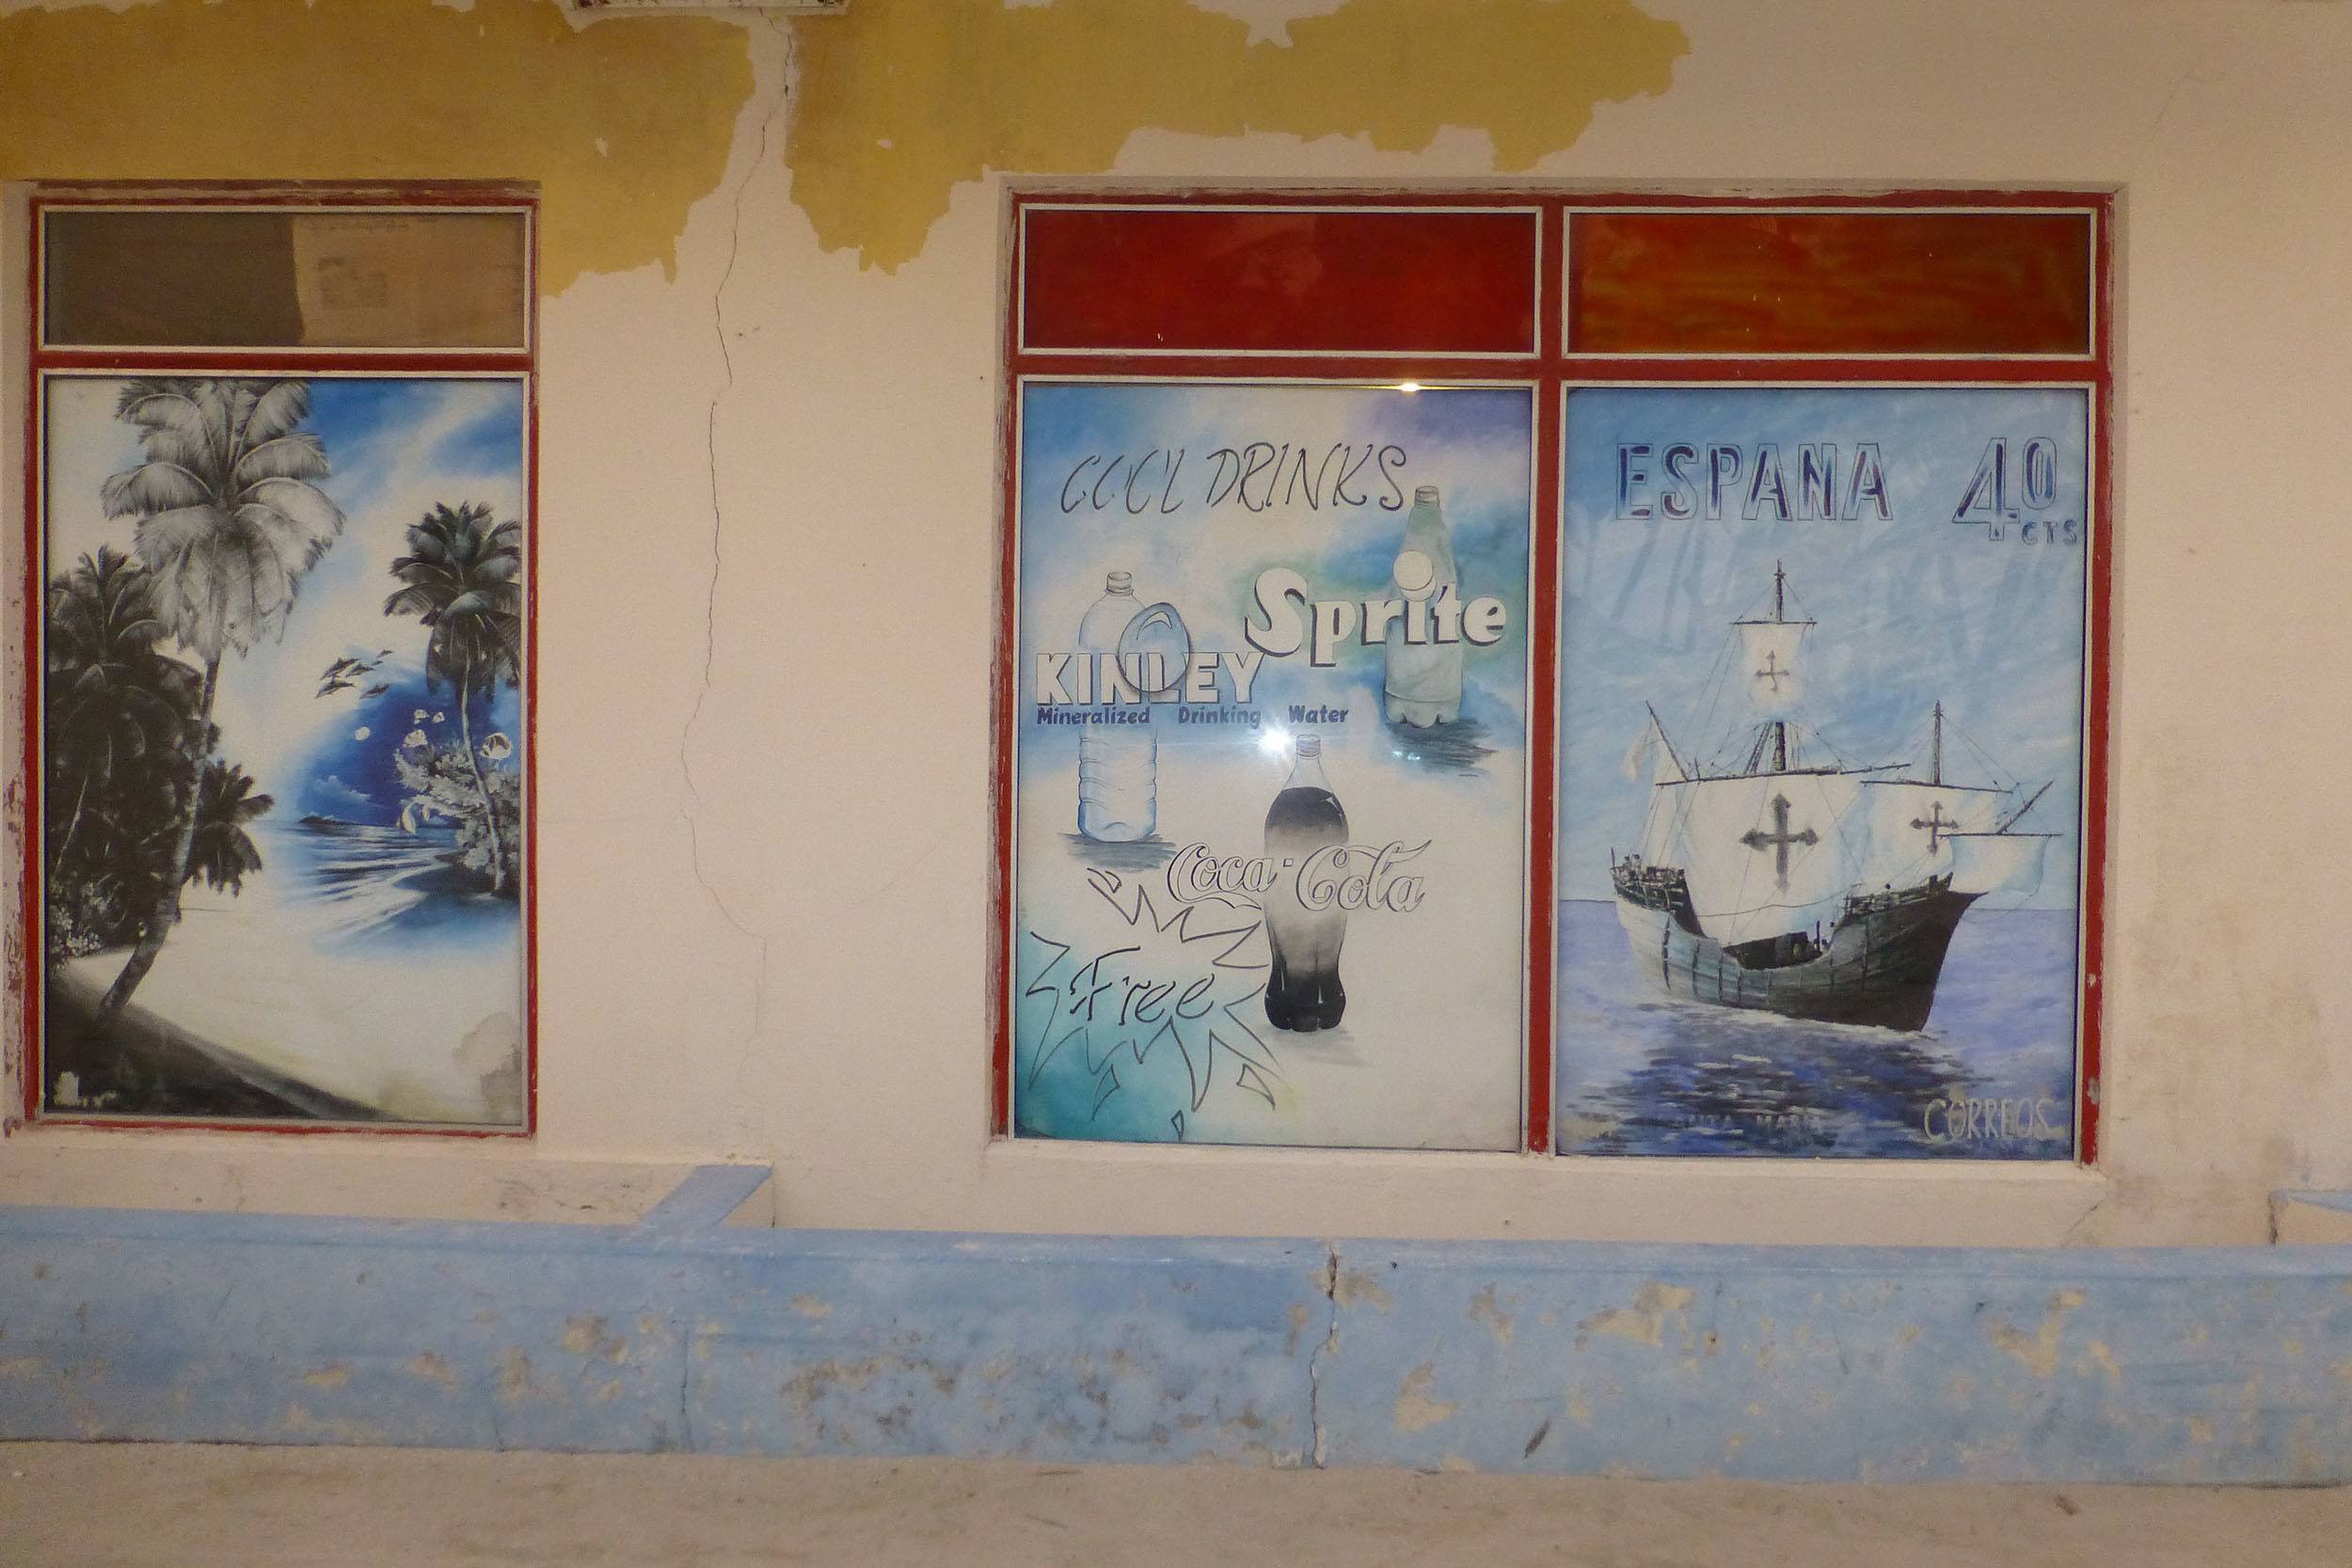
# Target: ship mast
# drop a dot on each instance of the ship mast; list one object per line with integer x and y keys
{"x": 1665, "y": 739}
{"x": 1780, "y": 617}
{"x": 1770, "y": 640}
{"x": 1935, "y": 770}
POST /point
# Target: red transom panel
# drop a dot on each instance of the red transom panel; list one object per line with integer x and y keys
{"x": 1829, "y": 283}
{"x": 1267, "y": 280}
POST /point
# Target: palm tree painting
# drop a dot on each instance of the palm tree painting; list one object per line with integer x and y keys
{"x": 227, "y": 516}
{"x": 219, "y": 850}
{"x": 117, "y": 710}
{"x": 283, "y": 862}
{"x": 459, "y": 578}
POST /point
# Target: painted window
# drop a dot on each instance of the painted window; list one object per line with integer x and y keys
{"x": 280, "y": 525}
{"x": 1684, "y": 618}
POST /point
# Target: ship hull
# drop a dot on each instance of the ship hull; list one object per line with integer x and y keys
{"x": 1879, "y": 967}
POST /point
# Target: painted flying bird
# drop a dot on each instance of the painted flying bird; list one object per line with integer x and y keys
{"x": 352, "y": 667}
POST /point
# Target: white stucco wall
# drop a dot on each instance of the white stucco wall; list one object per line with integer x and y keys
{"x": 764, "y": 849}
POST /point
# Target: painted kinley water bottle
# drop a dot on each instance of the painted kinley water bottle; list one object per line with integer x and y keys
{"x": 1423, "y": 684}
{"x": 1118, "y": 764}
{"x": 1304, "y": 992}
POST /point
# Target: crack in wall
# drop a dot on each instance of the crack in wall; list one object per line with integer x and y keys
{"x": 691, "y": 808}
{"x": 1317, "y": 1456}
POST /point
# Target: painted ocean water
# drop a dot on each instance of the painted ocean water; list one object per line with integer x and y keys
{"x": 355, "y": 884}
{"x": 1990, "y": 1078}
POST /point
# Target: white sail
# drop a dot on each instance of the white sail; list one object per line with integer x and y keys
{"x": 1764, "y": 854}
{"x": 1999, "y": 862}
{"x": 1912, "y": 826}
{"x": 1771, "y": 670}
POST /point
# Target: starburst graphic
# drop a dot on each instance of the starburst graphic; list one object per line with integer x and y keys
{"x": 1160, "y": 985}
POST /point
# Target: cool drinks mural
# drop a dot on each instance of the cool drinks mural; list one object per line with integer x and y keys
{"x": 283, "y": 740}
{"x": 1270, "y": 763}
{"x": 1820, "y": 767}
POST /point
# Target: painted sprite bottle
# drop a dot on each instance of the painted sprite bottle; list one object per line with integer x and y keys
{"x": 1424, "y": 679}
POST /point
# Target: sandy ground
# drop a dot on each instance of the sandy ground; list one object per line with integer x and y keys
{"x": 190, "y": 1507}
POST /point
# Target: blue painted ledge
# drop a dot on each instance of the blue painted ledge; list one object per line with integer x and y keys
{"x": 1817, "y": 1364}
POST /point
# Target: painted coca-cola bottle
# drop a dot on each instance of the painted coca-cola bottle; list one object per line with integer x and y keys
{"x": 1303, "y": 993}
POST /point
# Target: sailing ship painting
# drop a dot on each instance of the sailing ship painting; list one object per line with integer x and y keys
{"x": 1820, "y": 773}
{"x": 1803, "y": 884}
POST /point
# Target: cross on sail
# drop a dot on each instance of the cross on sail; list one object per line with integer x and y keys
{"x": 1932, "y": 827}
{"x": 1762, "y": 848}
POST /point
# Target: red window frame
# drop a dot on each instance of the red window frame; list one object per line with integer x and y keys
{"x": 1555, "y": 366}
{"x": 42, "y": 358}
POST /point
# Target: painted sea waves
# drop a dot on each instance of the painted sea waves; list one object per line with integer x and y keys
{"x": 283, "y": 807}
{"x": 1643, "y": 1072}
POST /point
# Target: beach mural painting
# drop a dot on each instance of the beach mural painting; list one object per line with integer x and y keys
{"x": 284, "y": 826}
{"x": 1270, "y": 710}
{"x": 1820, "y": 770}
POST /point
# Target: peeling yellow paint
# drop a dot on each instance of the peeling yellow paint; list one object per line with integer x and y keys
{"x": 1415, "y": 1409}
{"x": 328, "y": 1377}
{"x": 390, "y": 89}
{"x": 898, "y": 104}
{"x": 2039, "y": 1353}
{"x": 2200, "y": 1431}
{"x": 2105, "y": 1361}
{"x": 1579, "y": 1411}
{"x": 809, "y": 1306}
{"x": 433, "y": 1369}
{"x": 1646, "y": 1318}
{"x": 1485, "y": 1309}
